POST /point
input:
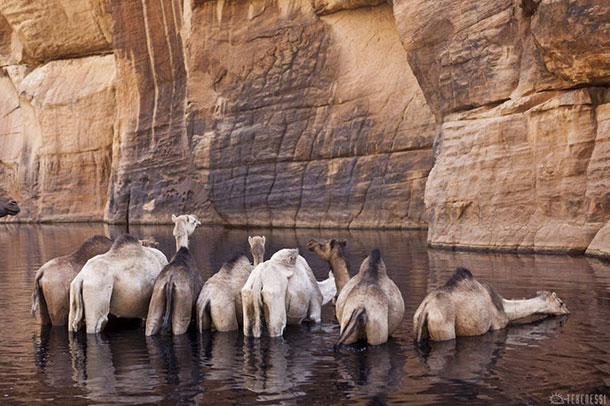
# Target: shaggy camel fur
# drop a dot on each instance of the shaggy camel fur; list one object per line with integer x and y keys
{"x": 52, "y": 280}
{"x": 178, "y": 284}
{"x": 467, "y": 307}
{"x": 332, "y": 251}
{"x": 287, "y": 290}
{"x": 119, "y": 282}
{"x": 219, "y": 304}
{"x": 370, "y": 307}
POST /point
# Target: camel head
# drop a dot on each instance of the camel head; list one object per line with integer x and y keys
{"x": 327, "y": 249}
{"x": 8, "y": 207}
{"x": 554, "y": 305}
{"x": 185, "y": 224}
{"x": 257, "y": 247}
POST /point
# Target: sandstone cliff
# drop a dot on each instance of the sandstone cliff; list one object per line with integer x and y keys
{"x": 267, "y": 112}
{"x": 313, "y": 113}
{"x": 519, "y": 90}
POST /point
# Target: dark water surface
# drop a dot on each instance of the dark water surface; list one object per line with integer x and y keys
{"x": 519, "y": 365}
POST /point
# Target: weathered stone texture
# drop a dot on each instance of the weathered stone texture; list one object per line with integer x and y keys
{"x": 521, "y": 159}
{"x": 54, "y": 29}
{"x": 56, "y": 135}
{"x": 305, "y": 121}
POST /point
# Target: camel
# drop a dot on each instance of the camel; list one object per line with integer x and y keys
{"x": 177, "y": 286}
{"x": 52, "y": 280}
{"x": 8, "y": 207}
{"x": 467, "y": 307}
{"x": 332, "y": 251}
{"x": 287, "y": 290}
{"x": 219, "y": 304}
{"x": 119, "y": 282}
{"x": 370, "y": 306}
{"x": 257, "y": 248}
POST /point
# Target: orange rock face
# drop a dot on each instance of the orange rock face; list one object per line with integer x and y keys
{"x": 522, "y": 160}
{"x": 486, "y": 121}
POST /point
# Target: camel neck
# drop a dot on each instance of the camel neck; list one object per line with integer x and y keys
{"x": 520, "y": 308}
{"x": 182, "y": 240}
{"x": 257, "y": 259}
{"x": 340, "y": 271}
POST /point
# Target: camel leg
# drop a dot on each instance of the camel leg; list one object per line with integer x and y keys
{"x": 182, "y": 309}
{"x": 58, "y": 305}
{"x": 96, "y": 298}
{"x": 439, "y": 327}
{"x": 315, "y": 311}
{"x": 223, "y": 316}
{"x": 377, "y": 326}
{"x": 43, "y": 309}
{"x": 156, "y": 309}
{"x": 247, "y": 311}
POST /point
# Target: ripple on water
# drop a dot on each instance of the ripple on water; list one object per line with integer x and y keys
{"x": 521, "y": 364}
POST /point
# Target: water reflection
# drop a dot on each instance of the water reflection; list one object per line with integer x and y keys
{"x": 521, "y": 364}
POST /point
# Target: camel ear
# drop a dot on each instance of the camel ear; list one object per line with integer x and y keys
{"x": 343, "y": 243}
{"x": 553, "y": 296}
{"x": 174, "y": 218}
{"x": 249, "y": 240}
{"x": 333, "y": 242}
{"x": 264, "y": 240}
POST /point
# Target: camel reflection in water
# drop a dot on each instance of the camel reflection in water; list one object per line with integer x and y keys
{"x": 469, "y": 358}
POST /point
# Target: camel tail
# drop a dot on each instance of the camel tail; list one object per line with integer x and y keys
{"x": 36, "y": 294}
{"x": 420, "y": 324}
{"x": 204, "y": 317}
{"x": 257, "y": 302}
{"x": 76, "y": 304}
{"x": 169, "y": 304}
{"x": 357, "y": 318}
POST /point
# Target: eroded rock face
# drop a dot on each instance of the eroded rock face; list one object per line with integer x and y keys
{"x": 520, "y": 158}
{"x": 56, "y": 136}
{"x": 54, "y": 29}
{"x": 306, "y": 121}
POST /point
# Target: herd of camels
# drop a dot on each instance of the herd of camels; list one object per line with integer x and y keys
{"x": 131, "y": 278}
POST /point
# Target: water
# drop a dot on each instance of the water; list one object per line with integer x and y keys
{"x": 519, "y": 365}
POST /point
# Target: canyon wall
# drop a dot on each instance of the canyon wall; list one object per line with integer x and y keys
{"x": 485, "y": 121}
{"x": 266, "y": 112}
{"x": 519, "y": 89}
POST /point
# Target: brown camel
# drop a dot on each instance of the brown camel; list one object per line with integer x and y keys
{"x": 467, "y": 307}
{"x": 8, "y": 207}
{"x": 332, "y": 251}
{"x": 176, "y": 288}
{"x": 219, "y": 304}
{"x": 52, "y": 280}
{"x": 370, "y": 306}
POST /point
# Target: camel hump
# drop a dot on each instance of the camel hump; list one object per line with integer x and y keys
{"x": 124, "y": 240}
{"x": 97, "y": 239}
{"x": 459, "y": 275}
{"x": 374, "y": 263}
{"x": 230, "y": 264}
{"x": 183, "y": 258}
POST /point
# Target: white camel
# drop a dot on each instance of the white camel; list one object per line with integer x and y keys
{"x": 119, "y": 282}
{"x": 285, "y": 287}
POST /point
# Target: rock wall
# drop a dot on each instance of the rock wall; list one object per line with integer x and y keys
{"x": 485, "y": 121}
{"x": 267, "y": 112}
{"x": 519, "y": 89}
